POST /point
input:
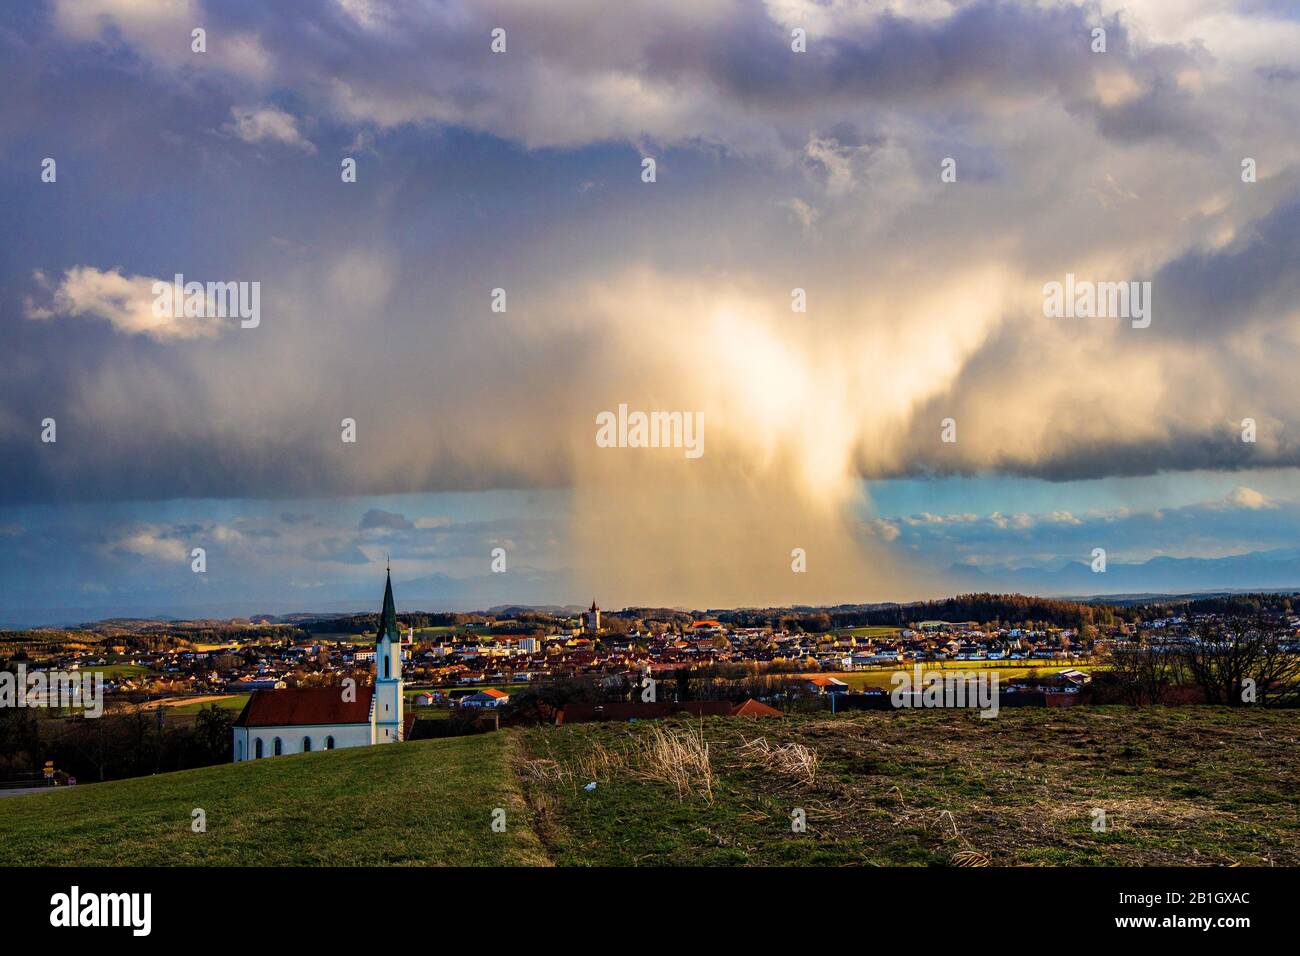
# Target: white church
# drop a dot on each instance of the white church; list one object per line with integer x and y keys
{"x": 276, "y": 722}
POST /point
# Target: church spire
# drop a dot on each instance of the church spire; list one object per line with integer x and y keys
{"x": 388, "y": 616}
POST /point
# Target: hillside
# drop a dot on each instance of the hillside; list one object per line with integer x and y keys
{"x": 427, "y": 802}
{"x": 1180, "y": 786}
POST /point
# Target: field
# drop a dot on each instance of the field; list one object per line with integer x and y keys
{"x": 233, "y": 702}
{"x": 879, "y": 678}
{"x": 1178, "y": 786}
{"x": 426, "y": 802}
{"x": 345, "y": 638}
{"x": 117, "y": 671}
{"x": 1195, "y": 785}
{"x": 437, "y": 631}
{"x": 870, "y": 630}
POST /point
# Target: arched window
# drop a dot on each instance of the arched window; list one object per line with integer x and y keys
{"x": 277, "y": 747}
{"x": 239, "y": 750}
{"x": 388, "y": 666}
{"x": 257, "y": 748}
{"x": 306, "y": 745}
{"x": 329, "y": 743}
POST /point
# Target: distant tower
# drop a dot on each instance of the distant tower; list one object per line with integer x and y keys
{"x": 592, "y": 624}
{"x": 388, "y": 673}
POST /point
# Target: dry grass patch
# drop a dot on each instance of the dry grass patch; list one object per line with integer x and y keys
{"x": 677, "y": 756}
{"x": 790, "y": 760}
{"x": 672, "y": 755}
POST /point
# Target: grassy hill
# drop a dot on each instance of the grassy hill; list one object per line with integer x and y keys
{"x": 1179, "y": 786}
{"x": 425, "y": 802}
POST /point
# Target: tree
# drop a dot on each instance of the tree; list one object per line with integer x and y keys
{"x": 1231, "y": 651}
{"x": 212, "y": 731}
{"x": 682, "y": 676}
{"x": 1140, "y": 672}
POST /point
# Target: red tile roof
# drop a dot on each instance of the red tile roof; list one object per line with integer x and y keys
{"x": 754, "y": 708}
{"x": 305, "y": 706}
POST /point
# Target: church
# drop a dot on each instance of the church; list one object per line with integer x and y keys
{"x": 276, "y": 722}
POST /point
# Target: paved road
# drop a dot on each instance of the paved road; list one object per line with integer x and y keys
{"x": 24, "y": 791}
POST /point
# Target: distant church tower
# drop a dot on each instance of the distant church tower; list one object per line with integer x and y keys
{"x": 592, "y": 623}
{"x": 388, "y": 672}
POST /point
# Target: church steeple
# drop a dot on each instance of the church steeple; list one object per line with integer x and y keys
{"x": 388, "y": 711}
{"x": 388, "y": 616}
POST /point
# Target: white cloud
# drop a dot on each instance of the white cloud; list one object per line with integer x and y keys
{"x": 149, "y": 542}
{"x": 259, "y": 124}
{"x": 882, "y": 529}
{"x": 145, "y": 20}
{"x": 834, "y": 162}
{"x": 124, "y": 301}
{"x": 1249, "y": 498}
{"x": 163, "y": 30}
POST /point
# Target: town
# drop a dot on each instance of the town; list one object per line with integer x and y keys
{"x": 206, "y": 660}
{"x": 463, "y": 673}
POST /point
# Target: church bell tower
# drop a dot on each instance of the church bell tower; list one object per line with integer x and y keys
{"x": 388, "y": 717}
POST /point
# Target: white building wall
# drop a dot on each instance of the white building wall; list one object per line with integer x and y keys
{"x": 291, "y": 738}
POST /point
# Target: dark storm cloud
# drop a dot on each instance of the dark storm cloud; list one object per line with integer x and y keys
{"x": 1256, "y": 279}
{"x": 408, "y": 61}
{"x": 374, "y": 296}
{"x": 375, "y": 518}
{"x": 949, "y": 64}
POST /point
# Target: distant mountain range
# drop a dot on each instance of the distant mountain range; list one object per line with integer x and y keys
{"x": 1276, "y": 570}
{"x": 522, "y": 587}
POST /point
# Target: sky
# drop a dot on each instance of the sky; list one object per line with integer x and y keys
{"x": 921, "y": 170}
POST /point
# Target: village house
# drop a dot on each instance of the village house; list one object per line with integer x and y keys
{"x": 488, "y": 697}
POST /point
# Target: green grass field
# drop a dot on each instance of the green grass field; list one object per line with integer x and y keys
{"x": 120, "y": 670}
{"x": 1179, "y": 786}
{"x": 881, "y": 677}
{"x": 234, "y": 702}
{"x": 345, "y": 638}
{"x": 428, "y": 802}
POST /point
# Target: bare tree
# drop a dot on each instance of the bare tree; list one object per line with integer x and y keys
{"x": 1140, "y": 672}
{"x": 1232, "y": 653}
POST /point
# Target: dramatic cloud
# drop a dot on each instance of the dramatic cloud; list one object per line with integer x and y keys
{"x": 776, "y": 171}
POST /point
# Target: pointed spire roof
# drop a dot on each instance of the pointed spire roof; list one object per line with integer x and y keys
{"x": 388, "y": 616}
